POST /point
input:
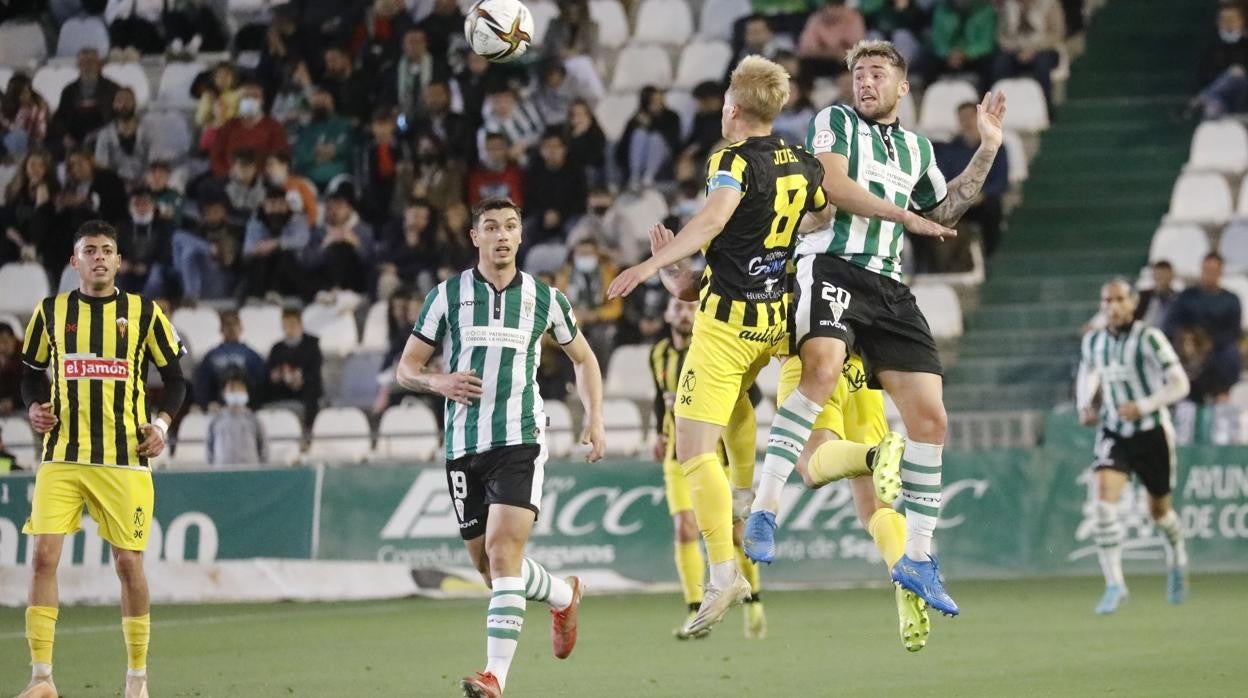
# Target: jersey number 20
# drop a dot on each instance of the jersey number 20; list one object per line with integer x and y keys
{"x": 790, "y": 205}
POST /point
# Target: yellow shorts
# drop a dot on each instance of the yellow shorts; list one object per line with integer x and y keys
{"x": 720, "y": 365}
{"x": 854, "y": 412}
{"x": 120, "y": 500}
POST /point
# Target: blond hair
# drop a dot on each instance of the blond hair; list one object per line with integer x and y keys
{"x": 868, "y": 48}
{"x": 760, "y": 88}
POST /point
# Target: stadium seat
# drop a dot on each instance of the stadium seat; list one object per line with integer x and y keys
{"x": 664, "y": 22}
{"x": 612, "y": 22}
{"x": 22, "y": 44}
{"x": 623, "y": 425}
{"x": 262, "y": 327}
{"x": 1184, "y": 246}
{"x": 191, "y": 448}
{"x": 408, "y": 432}
{"x": 24, "y": 284}
{"x": 336, "y": 329}
{"x": 938, "y": 113}
{"x": 613, "y": 113}
{"x": 358, "y": 386}
{"x": 1017, "y": 154}
{"x": 1238, "y": 284}
{"x": 546, "y": 258}
{"x": 543, "y": 11}
{"x": 21, "y": 441}
{"x": 175, "y": 84}
{"x": 6, "y": 74}
{"x": 171, "y": 134}
{"x": 69, "y": 279}
{"x": 638, "y": 66}
{"x": 718, "y": 16}
{"x": 1203, "y": 198}
{"x": 908, "y": 111}
{"x": 1239, "y": 395}
{"x": 199, "y": 327}
{"x": 133, "y": 76}
{"x": 376, "y": 335}
{"x": 50, "y": 80}
{"x": 628, "y": 374}
{"x": 702, "y": 61}
{"x": 1027, "y": 110}
{"x": 769, "y": 379}
{"x": 1233, "y": 246}
{"x": 83, "y": 31}
{"x": 940, "y": 305}
{"x": 1219, "y": 146}
{"x": 643, "y": 211}
{"x": 559, "y": 436}
{"x": 340, "y": 435}
{"x": 14, "y": 323}
{"x": 683, "y": 103}
{"x": 283, "y": 435}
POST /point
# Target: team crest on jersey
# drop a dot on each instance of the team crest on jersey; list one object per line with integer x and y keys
{"x": 122, "y": 325}
{"x": 823, "y": 139}
{"x": 837, "y": 298}
{"x": 528, "y": 306}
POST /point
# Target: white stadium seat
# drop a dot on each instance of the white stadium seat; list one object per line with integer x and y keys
{"x": 283, "y": 435}
{"x": 408, "y": 432}
{"x": 1238, "y": 284}
{"x": 1233, "y": 246}
{"x": 940, "y": 305}
{"x": 24, "y": 284}
{"x": 613, "y": 113}
{"x": 377, "y": 327}
{"x": 717, "y": 17}
{"x": 1219, "y": 146}
{"x": 1200, "y": 197}
{"x": 624, "y": 429}
{"x": 612, "y": 22}
{"x": 22, "y": 44}
{"x": 21, "y": 441}
{"x": 133, "y": 76}
{"x": 83, "y": 31}
{"x": 664, "y": 22}
{"x": 340, "y": 435}
{"x": 543, "y": 11}
{"x": 628, "y": 372}
{"x": 199, "y": 327}
{"x": 1184, "y": 246}
{"x": 50, "y": 80}
{"x": 175, "y": 84}
{"x": 6, "y": 74}
{"x": 334, "y": 327}
{"x": 14, "y": 323}
{"x": 191, "y": 448}
{"x": 908, "y": 111}
{"x": 638, "y": 66}
{"x": 702, "y": 61}
{"x": 262, "y": 327}
{"x": 358, "y": 385}
{"x": 1017, "y": 154}
{"x": 69, "y": 279}
{"x": 642, "y": 211}
{"x": 559, "y": 436}
{"x": 1239, "y": 395}
{"x": 1027, "y": 110}
{"x": 683, "y": 103}
{"x": 1241, "y": 208}
{"x": 938, "y": 114}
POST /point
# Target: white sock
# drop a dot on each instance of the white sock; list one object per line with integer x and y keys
{"x": 503, "y": 623}
{"x": 1176, "y": 552}
{"x": 1108, "y": 536}
{"x": 920, "y": 489}
{"x": 790, "y": 430}
{"x": 540, "y": 585}
{"x": 723, "y": 573}
{"x": 40, "y": 670}
{"x": 136, "y": 673}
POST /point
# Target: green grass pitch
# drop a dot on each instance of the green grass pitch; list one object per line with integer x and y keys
{"x": 1017, "y": 638}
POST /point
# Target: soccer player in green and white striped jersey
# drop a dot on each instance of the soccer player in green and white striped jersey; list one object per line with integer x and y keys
{"x": 1133, "y": 371}
{"x": 883, "y": 180}
{"x": 489, "y": 321}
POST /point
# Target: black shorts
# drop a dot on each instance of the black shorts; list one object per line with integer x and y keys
{"x": 874, "y": 315}
{"x": 505, "y": 475}
{"x": 1148, "y": 454}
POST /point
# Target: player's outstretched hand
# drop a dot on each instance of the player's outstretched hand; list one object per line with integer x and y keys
{"x": 595, "y": 436}
{"x": 628, "y": 280}
{"x": 918, "y": 225}
{"x": 660, "y": 236}
{"x": 41, "y": 417}
{"x": 462, "y": 387}
{"x": 153, "y": 440}
{"x": 1087, "y": 417}
{"x": 991, "y": 116}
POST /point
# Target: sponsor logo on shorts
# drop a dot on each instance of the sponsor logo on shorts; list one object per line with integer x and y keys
{"x": 689, "y": 381}
{"x": 856, "y": 377}
{"x": 91, "y": 367}
{"x": 139, "y": 516}
{"x": 772, "y": 336}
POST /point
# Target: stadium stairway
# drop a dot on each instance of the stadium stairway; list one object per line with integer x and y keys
{"x": 1099, "y": 186}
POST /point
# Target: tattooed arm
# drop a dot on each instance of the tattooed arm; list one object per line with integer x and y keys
{"x": 965, "y": 188}
{"x": 463, "y": 387}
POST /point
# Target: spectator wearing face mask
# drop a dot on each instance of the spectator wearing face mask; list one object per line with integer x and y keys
{"x": 350, "y": 89}
{"x": 585, "y": 280}
{"x": 325, "y": 147}
{"x": 145, "y": 243}
{"x": 340, "y": 253}
{"x": 277, "y": 173}
{"x": 1223, "y": 74}
{"x": 274, "y": 241}
{"x": 294, "y": 368}
{"x": 245, "y": 187}
{"x": 229, "y": 358}
{"x": 206, "y": 258}
{"x": 251, "y": 129}
{"x": 235, "y": 436}
{"x": 608, "y": 228}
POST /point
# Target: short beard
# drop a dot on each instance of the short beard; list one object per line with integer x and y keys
{"x": 882, "y": 109}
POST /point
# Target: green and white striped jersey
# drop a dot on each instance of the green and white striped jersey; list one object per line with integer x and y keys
{"x": 1129, "y": 366}
{"x": 498, "y": 334}
{"x": 886, "y": 160}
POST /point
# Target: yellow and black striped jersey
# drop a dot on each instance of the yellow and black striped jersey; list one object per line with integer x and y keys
{"x": 665, "y": 363}
{"x": 98, "y": 349}
{"x": 744, "y": 280}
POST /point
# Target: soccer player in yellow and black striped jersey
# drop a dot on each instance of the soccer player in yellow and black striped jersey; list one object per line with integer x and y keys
{"x": 758, "y": 190}
{"x": 98, "y": 437}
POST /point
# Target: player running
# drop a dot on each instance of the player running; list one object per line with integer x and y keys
{"x": 848, "y": 293}
{"x": 1136, "y": 376}
{"x": 98, "y": 437}
{"x": 758, "y": 189}
{"x": 489, "y": 321}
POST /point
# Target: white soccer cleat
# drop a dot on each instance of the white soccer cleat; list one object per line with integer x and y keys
{"x": 41, "y": 687}
{"x": 715, "y": 605}
{"x": 136, "y": 686}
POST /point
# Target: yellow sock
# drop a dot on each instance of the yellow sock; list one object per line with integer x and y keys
{"x": 749, "y": 568}
{"x": 691, "y": 570}
{"x": 838, "y": 460}
{"x": 888, "y": 528}
{"x": 138, "y": 631}
{"x": 712, "y": 504}
{"x": 41, "y": 633}
{"x": 739, "y": 437}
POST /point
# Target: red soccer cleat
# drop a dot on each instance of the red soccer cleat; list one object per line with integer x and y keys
{"x": 563, "y": 623}
{"x": 483, "y": 685}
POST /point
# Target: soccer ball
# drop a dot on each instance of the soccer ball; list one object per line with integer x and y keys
{"x": 499, "y": 30}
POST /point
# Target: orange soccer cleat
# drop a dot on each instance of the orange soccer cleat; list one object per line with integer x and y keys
{"x": 483, "y": 685}
{"x": 563, "y": 623}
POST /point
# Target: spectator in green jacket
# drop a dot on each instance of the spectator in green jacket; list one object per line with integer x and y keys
{"x": 962, "y": 40}
{"x": 325, "y": 148}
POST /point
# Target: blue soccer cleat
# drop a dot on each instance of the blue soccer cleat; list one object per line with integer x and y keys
{"x": 923, "y": 578}
{"x": 1114, "y": 596}
{"x": 1176, "y": 585}
{"x": 759, "y": 538}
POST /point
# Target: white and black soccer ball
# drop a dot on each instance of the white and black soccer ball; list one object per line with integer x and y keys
{"x": 499, "y": 30}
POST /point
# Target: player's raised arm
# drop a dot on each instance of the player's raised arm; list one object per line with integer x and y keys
{"x": 679, "y": 279}
{"x": 965, "y": 188}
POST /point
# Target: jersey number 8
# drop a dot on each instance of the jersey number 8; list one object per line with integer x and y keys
{"x": 790, "y": 205}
